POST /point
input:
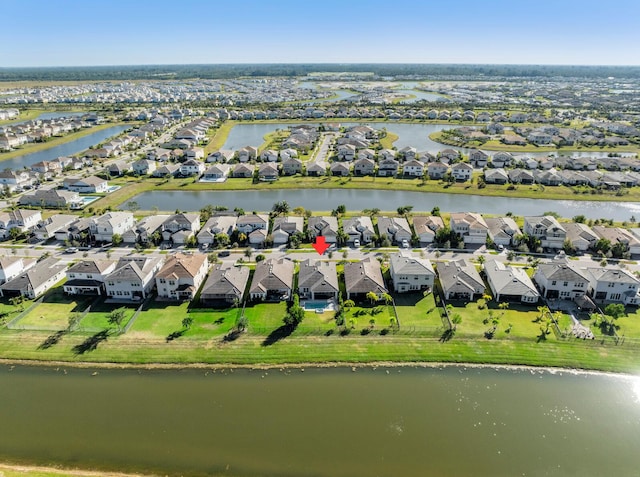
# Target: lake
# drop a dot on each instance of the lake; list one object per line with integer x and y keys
{"x": 449, "y": 421}
{"x": 66, "y": 149}
{"x": 410, "y": 134}
{"x": 359, "y": 199}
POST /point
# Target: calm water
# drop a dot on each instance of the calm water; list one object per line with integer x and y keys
{"x": 66, "y": 149}
{"x": 53, "y": 115}
{"x": 323, "y": 422}
{"x": 358, "y": 199}
{"x": 410, "y": 134}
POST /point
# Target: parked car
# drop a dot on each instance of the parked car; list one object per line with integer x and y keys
{"x": 71, "y": 250}
{"x": 224, "y": 253}
{"x": 356, "y": 243}
{"x": 405, "y": 243}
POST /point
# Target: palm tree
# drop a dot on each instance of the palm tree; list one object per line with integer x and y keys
{"x": 372, "y": 297}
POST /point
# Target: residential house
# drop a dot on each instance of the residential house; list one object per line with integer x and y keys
{"x": 181, "y": 276}
{"x": 358, "y": 228}
{"x": 364, "y": 277}
{"x": 449, "y": 155}
{"x": 581, "y": 237}
{"x": 502, "y": 159}
{"x": 547, "y": 229}
{"x": 248, "y": 223}
{"x": 143, "y": 232}
{"x": 461, "y": 171}
{"x": 14, "y": 180}
{"x": 437, "y": 170}
{"x": 21, "y": 219}
{"x": 179, "y": 228}
{"x": 410, "y": 274}
{"x": 549, "y": 177}
{"x": 291, "y": 166}
{"x": 426, "y": 227}
{"x": 364, "y": 167}
{"x": 285, "y": 227}
{"x": 78, "y": 230}
{"x": 327, "y": 226}
{"x": 192, "y": 167}
{"x": 247, "y": 153}
{"x": 223, "y": 156}
{"x": 218, "y": 224}
{"x": 408, "y": 153}
{"x": 159, "y": 154}
{"x": 133, "y": 277}
{"x": 395, "y": 229}
{"x": 268, "y": 172}
{"x": 89, "y": 185}
{"x": 243, "y": 170}
{"x": 496, "y": 176}
{"x": 388, "y": 167}
{"x": 346, "y": 152}
{"x": 470, "y": 226}
{"x": 521, "y": 176}
{"x": 503, "y": 230}
{"x": 144, "y": 167}
{"x": 614, "y": 285}
{"x": 103, "y": 228}
{"x": 318, "y": 280}
{"x": 119, "y": 168}
{"x": 413, "y": 168}
{"x": 272, "y": 280}
{"x": 35, "y": 281}
{"x": 340, "y": 169}
{"x": 11, "y": 267}
{"x": 561, "y": 279}
{"x": 317, "y": 169}
{"x": 617, "y": 235}
{"x": 478, "y": 159}
{"x": 269, "y": 155}
{"x": 460, "y": 280}
{"x": 47, "y": 228}
{"x": 216, "y": 173}
{"x": 509, "y": 283}
{"x": 168, "y": 170}
{"x": 226, "y": 284}
{"x": 87, "y": 277}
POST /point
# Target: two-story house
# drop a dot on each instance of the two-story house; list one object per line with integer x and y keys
{"x": 359, "y": 228}
{"x": 219, "y": 224}
{"x": 426, "y": 227}
{"x": 410, "y": 274}
{"x": 462, "y": 171}
{"x": 181, "y": 276}
{"x": 547, "y": 229}
{"x": 470, "y": 226}
{"x": 561, "y": 279}
{"x": 325, "y": 225}
{"x": 503, "y": 230}
{"x": 11, "y": 267}
{"x": 36, "y": 280}
{"x": 103, "y": 228}
{"x": 133, "y": 277}
{"x": 614, "y": 285}
{"x": 87, "y": 277}
{"x": 285, "y": 227}
{"x": 179, "y": 228}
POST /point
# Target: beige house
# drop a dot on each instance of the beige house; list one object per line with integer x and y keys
{"x": 181, "y": 276}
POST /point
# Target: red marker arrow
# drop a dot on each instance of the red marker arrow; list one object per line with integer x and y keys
{"x": 320, "y": 245}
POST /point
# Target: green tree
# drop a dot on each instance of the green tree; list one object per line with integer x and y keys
{"x": 280, "y": 208}
{"x": 614, "y": 310}
{"x": 372, "y": 297}
{"x": 295, "y": 313}
{"x": 116, "y": 239}
{"x": 187, "y": 322}
{"x": 241, "y": 323}
{"x": 116, "y": 317}
{"x": 387, "y": 298}
{"x": 404, "y": 210}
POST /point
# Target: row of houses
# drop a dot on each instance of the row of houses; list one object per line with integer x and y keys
{"x": 552, "y": 177}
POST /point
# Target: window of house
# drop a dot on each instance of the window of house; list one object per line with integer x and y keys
{"x": 565, "y": 284}
{"x": 553, "y": 282}
{"x": 611, "y": 284}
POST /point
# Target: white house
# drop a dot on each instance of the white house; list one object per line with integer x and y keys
{"x": 461, "y": 171}
{"x": 87, "y": 277}
{"x": 561, "y": 279}
{"x": 103, "y": 228}
{"x": 547, "y": 229}
{"x": 89, "y": 185}
{"x": 133, "y": 277}
{"x": 614, "y": 285}
{"x": 410, "y": 274}
{"x": 470, "y": 226}
{"x": 36, "y": 280}
{"x": 192, "y": 167}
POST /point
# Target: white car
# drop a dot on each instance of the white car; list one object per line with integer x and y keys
{"x": 405, "y": 243}
{"x": 356, "y": 243}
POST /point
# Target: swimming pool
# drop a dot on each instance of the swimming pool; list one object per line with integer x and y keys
{"x": 318, "y": 306}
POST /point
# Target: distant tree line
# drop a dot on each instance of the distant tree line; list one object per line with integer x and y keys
{"x": 225, "y": 71}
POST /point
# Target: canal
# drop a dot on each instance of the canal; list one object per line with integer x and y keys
{"x": 66, "y": 149}
{"x": 389, "y": 200}
{"x": 337, "y": 422}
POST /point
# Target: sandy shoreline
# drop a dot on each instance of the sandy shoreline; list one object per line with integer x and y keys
{"x": 303, "y": 366}
{"x": 26, "y": 469}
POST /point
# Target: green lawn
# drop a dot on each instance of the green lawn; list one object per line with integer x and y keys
{"x": 418, "y": 312}
{"x": 54, "y": 311}
{"x": 522, "y": 317}
{"x": 96, "y": 319}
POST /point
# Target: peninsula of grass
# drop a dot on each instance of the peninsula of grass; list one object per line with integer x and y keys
{"x": 25, "y": 115}
{"x": 55, "y": 141}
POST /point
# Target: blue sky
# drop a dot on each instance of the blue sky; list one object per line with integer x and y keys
{"x": 121, "y": 32}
